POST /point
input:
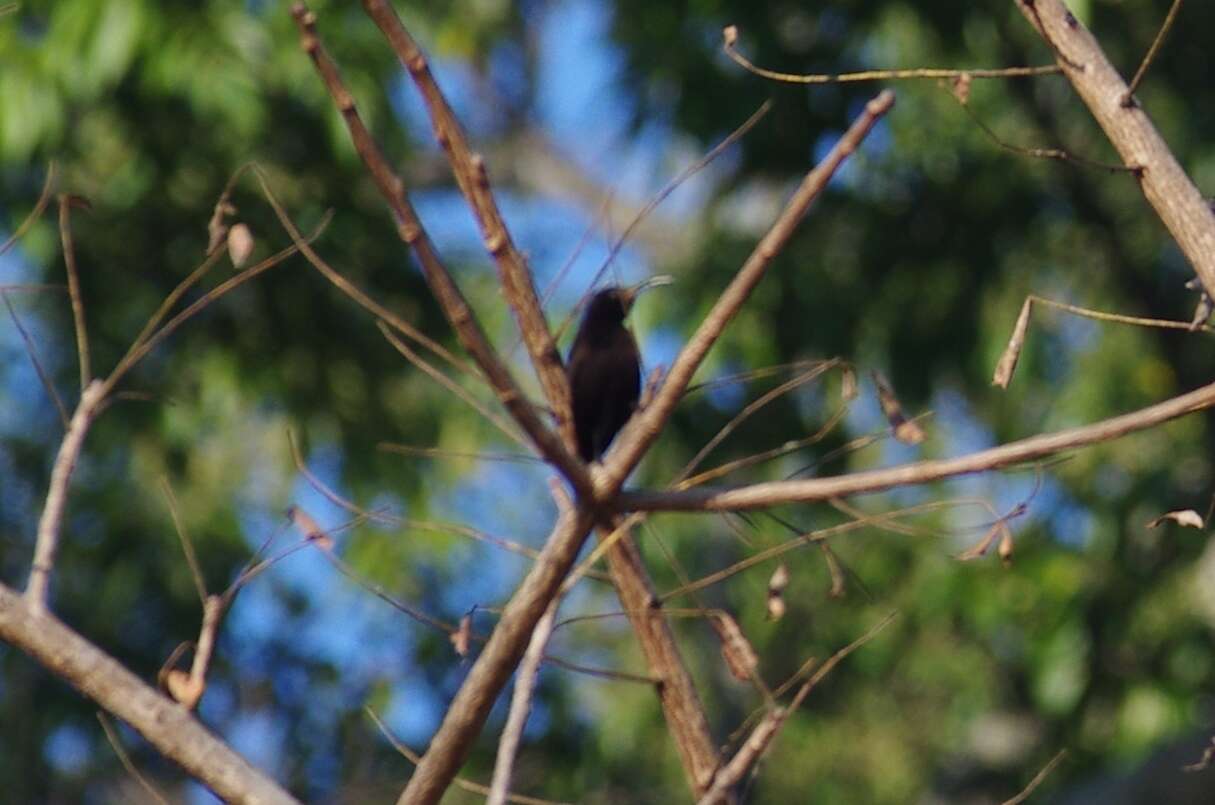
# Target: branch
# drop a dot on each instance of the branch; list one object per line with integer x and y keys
{"x": 1167, "y": 188}
{"x": 473, "y": 180}
{"x": 164, "y": 723}
{"x": 444, "y": 288}
{"x": 520, "y": 706}
{"x": 645, "y": 427}
{"x": 773, "y": 493}
{"x": 69, "y": 261}
{"x": 51, "y": 521}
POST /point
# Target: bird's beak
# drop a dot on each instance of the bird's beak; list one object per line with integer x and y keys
{"x": 631, "y": 293}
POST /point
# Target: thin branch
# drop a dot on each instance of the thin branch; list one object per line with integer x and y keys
{"x": 474, "y": 788}
{"x": 49, "y": 524}
{"x": 1129, "y": 98}
{"x": 730, "y": 38}
{"x": 661, "y": 196}
{"x": 637, "y": 437}
{"x": 187, "y": 546}
{"x": 165, "y": 724}
{"x": 520, "y": 706}
{"x": 473, "y": 179}
{"x": 32, "y": 351}
{"x": 442, "y": 286}
{"x": 44, "y": 198}
{"x": 774, "y": 493}
{"x": 111, "y": 735}
{"x": 1175, "y": 198}
{"x": 455, "y": 388}
{"x": 1038, "y": 778}
{"x": 69, "y": 260}
{"x": 761, "y": 737}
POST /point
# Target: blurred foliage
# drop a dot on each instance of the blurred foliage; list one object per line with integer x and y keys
{"x": 915, "y": 262}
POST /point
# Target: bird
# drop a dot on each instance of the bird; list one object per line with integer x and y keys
{"x": 604, "y": 368}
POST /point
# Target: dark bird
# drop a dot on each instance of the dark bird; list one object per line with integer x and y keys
{"x": 604, "y": 368}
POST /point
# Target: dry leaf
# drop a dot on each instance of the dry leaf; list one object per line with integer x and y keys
{"x": 736, "y": 650}
{"x": 984, "y": 545}
{"x": 1186, "y": 517}
{"x": 904, "y": 429}
{"x": 217, "y": 228}
{"x": 776, "y": 607}
{"x": 729, "y": 35}
{"x": 961, "y": 88}
{"x": 1008, "y": 360}
{"x": 461, "y": 636}
{"x": 308, "y": 528}
{"x": 240, "y": 244}
{"x": 1005, "y": 549}
{"x": 779, "y": 580}
{"x": 183, "y": 688}
{"x": 848, "y": 389}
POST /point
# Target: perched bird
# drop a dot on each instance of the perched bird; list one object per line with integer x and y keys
{"x": 604, "y": 368}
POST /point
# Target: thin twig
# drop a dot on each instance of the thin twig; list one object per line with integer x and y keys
{"x": 472, "y": 177}
{"x": 1129, "y": 98}
{"x": 116, "y": 744}
{"x": 455, "y": 388}
{"x": 730, "y": 38}
{"x": 47, "y": 542}
{"x": 761, "y": 737}
{"x": 32, "y": 351}
{"x": 187, "y": 546}
{"x": 637, "y": 437}
{"x": 773, "y": 493}
{"x": 1038, "y": 778}
{"x": 474, "y": 788}
{"x": 44, "y": 198}
{"x": 69, "y": 260}
{"x": 520, "y": 706}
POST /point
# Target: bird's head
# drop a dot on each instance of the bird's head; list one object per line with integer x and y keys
{"x": 614, "y": 303}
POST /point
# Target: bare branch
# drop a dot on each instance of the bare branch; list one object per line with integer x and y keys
{"x": 162, "y": 722}
{"x": 44, "y": 198}
{"x": 730, "y": 38}
{"x": 637, "y": 437}
{"x": 31, "y": 349}
{"x": 1038, "y": 778}
{"x": 69, "y": 260}
{"x": 56, "y": 497}
{"x": 520, "y": 706}
{"x": 444, "y": 288}
{"x": 111, "y": 735}
{"x": 1129, "y": 98}
{"x": 1180, "y": 205}
{"x": 774, "y": 493}
{"x": 473, "y": 180}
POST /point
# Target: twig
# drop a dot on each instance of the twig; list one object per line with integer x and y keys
{"x": 187, "y": 547}
{"x": 1038, "y": 778}
{"x": 56, "y": 497}
{"x": 473, "y": 179}
{"x": 442, "y": 286}
{"x": 520, "y": 706}
{"x": 1129, "y": 98}
{"x": 730, "y": 38}
{"x": 116, "y": 744}
{"x": 761, "y": 737}
{"x": 443, "y": 453}
{"x": 455, "y": 388}
{"x": 645, "y": 427}
{"x": 32, "y": 350}
{"x": 44, "y": 198}
{"x": 1172, "y": 194}
{"x": 467, "y": 785}
{"x": 774, "y": 493}
{"x": 69, "y": 260}
{"x": 162, "y": 722}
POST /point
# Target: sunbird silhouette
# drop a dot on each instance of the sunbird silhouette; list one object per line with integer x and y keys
{"x": 604, "y": 368}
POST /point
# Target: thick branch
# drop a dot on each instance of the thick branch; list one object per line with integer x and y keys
{"x": 645, "y": 427}
{"x": 1165, "y": 185}
{"x": 775, "y": 493}
{"x": 165, "y": 724}
{"x": 409, "y": 227}
{"x": 473, "y": 180}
